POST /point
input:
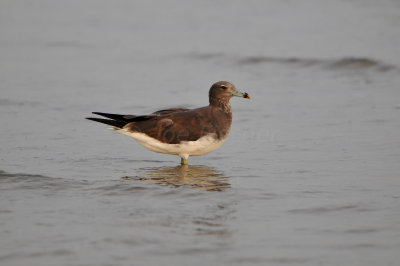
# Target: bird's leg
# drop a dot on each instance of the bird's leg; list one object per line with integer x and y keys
{"x": 184, "y": 161}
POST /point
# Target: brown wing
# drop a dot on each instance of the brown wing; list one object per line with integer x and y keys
{"x": 189, "y": 125}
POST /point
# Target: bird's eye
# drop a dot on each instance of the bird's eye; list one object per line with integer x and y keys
{"x": 223, "y": 87}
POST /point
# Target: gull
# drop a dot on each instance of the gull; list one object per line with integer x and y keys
{"x": 180, "y": 131}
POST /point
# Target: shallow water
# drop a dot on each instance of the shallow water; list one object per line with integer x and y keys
{"x": 308, "y": 176}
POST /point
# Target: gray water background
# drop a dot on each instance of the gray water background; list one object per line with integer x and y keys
{"x": 308, "y": 176}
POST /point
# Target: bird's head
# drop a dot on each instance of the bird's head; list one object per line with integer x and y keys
{"x": 223, "y": 90}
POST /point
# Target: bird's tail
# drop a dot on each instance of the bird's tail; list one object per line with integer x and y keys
{"x": 115, "y": 123}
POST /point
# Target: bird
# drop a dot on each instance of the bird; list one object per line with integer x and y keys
{"x": 181, "y": 131}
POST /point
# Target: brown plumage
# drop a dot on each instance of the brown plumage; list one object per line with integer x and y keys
{"x": 178, "y": 126}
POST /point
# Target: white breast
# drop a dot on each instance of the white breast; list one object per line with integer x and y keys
{"x": 184, "y": 149}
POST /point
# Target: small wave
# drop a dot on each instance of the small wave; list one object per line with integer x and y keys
{"x": 361, "y": 230}
{"x": 327, "y": 209}
{"x": 287, "y": 61}
{"x": 343, "y": 63}
{"x": 11, "y": 181}
{"x": 360, "y": 63}
{"x": 20, "y": 176}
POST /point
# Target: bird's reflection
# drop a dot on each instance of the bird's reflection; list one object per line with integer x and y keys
{"x": 188, "y": 176}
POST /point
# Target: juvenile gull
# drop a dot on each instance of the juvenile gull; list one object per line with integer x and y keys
{"x": 180, "y": 131}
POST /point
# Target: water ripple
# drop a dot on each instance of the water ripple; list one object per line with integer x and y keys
{"x": 345, "y": 63}
{"x": 11, "y": 181}
{"x": 328, "y": 209}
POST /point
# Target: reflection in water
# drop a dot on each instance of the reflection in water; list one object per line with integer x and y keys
{"x": 188, "y": 176}
{"x": 213, "y": 221}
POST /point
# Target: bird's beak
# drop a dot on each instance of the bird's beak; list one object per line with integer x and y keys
{"x": 241, "y": 94}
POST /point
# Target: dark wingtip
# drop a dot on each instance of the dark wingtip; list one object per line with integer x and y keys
{"x": 115, "y": 123}
{"x": 99, "y": 113}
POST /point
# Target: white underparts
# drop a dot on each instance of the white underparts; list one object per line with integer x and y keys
{"x": 184, "y": 149}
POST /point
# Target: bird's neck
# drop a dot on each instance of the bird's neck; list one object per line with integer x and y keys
{"x": 224, "y": 105}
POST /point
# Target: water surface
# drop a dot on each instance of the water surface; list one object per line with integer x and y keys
{"x": 308, "y": 176}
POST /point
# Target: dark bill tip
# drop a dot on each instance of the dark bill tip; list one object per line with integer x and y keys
{"x": 246, "y": 95}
